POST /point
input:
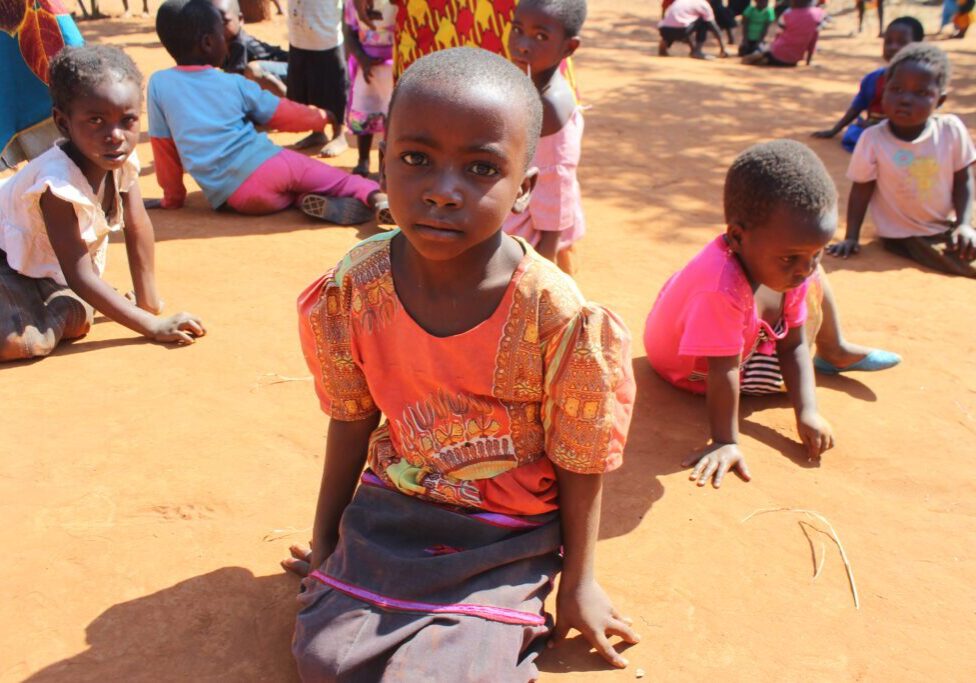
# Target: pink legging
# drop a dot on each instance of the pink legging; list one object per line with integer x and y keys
{"x": 282, "y": 180}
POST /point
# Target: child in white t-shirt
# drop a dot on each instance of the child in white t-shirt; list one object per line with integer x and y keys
{"x": 317, "y": 66}
{"x": 914, "y": 171}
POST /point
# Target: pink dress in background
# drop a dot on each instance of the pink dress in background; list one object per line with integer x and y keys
{"x": 556, "y": 201}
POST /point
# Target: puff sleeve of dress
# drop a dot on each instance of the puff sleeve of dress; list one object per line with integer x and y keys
{"x": 325, "y": 330}
{"x": 588, "y": 392}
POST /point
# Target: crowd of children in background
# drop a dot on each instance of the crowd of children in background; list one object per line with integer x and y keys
{"x": 502, "y": 416}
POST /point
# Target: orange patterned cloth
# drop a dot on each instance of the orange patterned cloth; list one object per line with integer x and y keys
{"x": 476, "y": 419}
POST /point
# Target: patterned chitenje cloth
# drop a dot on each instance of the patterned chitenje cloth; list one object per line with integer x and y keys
{"x": 31, "y": 33}
{"x": 405, "y": 569}
{"x": 425, "y": 26}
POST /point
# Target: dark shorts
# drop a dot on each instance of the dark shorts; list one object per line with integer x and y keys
{"x": 318, "y": 77}
{"x": 674, "y": 34}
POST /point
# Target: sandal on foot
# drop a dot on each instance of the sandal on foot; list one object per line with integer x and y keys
{"x": 876, "y": 359}
{"x": 338, "y": 210}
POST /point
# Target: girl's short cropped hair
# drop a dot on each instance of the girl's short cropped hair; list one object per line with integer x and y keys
{"x": 929, "y": 55}
{"x": 571, "y": 14}
{"x": 182, "y": 24}
{"x": 460, "y": 69}
{"x": 913, "y": 25}
{"x": 777, "y": 173}
{"x": 76, "y": 71}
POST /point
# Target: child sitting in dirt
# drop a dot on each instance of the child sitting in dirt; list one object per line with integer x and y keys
{"x": 506, "y": 396}
{"x": 900, "y": 32}
{"x": 204, "y": 119}
{"x": 756, "y": 20}
{"x": 689, "y": 21}
{"x": 797, "y": 38}
{"x": 56, "y": 214}
{"x": 544, "y": 33}
{"x": 265, "y": 64}
{"x": 915, "y": 170}
{"x": 740, "y": 317}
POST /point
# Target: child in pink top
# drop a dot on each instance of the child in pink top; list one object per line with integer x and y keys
{"x": 543, "y": 35}
{"x": 797, "y": 38}
{"x": 739, "y": 316}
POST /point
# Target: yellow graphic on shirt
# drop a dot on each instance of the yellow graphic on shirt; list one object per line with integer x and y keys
{"x": 923, "y": 171}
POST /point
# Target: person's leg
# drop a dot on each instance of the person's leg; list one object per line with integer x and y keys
{"x": 860, "y": 15}
{"x": 267, "y": 189}
{"x": 696, "y": 35}
{"x": 851, "y": 136}
{"x": 331, "y": 93}
{"x": 948, "y": 11}
{"x": 932, "y": 252}
{"x": 881, "y": 25}
{"x": 364, "y": 144}
{"x": 667, "y": 38}
{"x": 824, "y": 327}
{"x": 301, "y": 78}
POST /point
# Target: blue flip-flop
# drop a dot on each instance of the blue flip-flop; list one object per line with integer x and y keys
{"x": 877, "y": 359}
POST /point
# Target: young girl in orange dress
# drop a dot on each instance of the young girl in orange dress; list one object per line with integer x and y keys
{"x": 506, "y": 396}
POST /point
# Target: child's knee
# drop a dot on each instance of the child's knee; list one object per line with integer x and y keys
{"x": 30, "y": 343}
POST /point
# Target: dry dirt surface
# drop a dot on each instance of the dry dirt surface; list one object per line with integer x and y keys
{"x": 148, "y": 492}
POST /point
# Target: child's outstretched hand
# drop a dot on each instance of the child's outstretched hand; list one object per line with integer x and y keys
{"x": 181, "y": 328}
{"x": 716, "y": 461}
{"x": 829, "y": 133}
{"x": 844, "y": 248}
{"x": 815, "y": 432}
{"x": 962, "y": 241}
{"x": 586, "y": 607}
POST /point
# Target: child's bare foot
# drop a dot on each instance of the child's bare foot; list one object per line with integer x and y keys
{"x": 310, "y": 141}
{"x": 362, "y": 168}
{"x": 336, "y": 146}
{"x": 698, "y": 54}
{"x": 298, "y": 562}
{"x": 383, "y": 215}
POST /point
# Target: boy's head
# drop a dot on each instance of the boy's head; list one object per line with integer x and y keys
{"x": 762, "y": 4}
{"x": 901, "y": 32}
{"x": 781, "y": 210}
{"x": 915, "y": 86}
{"x": 462, "y": 130}
{"x": 192, "y": 31}
{"x": 230, "y": 13}
{"x": 545, "y": 32}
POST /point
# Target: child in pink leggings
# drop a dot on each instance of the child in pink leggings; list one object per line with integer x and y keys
{"x": 203, "y": 120}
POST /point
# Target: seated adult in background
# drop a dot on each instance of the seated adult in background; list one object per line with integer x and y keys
{"x": 265, "y": 64}
{"x": 689, "y": 21}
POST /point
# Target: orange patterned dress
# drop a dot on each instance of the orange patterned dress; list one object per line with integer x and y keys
{"x": 476, "y": 419}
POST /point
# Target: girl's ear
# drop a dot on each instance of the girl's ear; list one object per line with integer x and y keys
{"x": 571, "y": 46}
{"x": 60, "y": 120}
{"x": 525, "y": 190}
{"x": 942, "y": 99}
{"x": 382, "y": 149}
{"x": 733, "y": 236}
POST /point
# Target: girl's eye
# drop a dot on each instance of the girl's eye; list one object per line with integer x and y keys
{"x": 516, "y": 30}
{"x": 95, "y": 120}
{"x": 482, "y": 169}
{"x": 787, "y": 259}
{"x": 413, "y": 158}
{"x": 541, "y": 36}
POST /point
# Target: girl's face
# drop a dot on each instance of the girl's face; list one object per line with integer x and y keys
{"x": 910, "y": 97}
{"x": 784, "y": 251}
{"x": 103, "y": 125}
{"x": 895, "y": 38}
{"x": 538, "y": 42}
{"x": 454, "y": 167}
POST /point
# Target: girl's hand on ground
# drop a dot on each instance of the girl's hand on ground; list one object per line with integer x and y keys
{"x": 300, "y": 561}
{"x": 824, "y": 134}
{"x": 586, "y": 607}
{"x": 815, "y": 432}
{"x": 181, "y": 328}
{"x": 962, "y": 241}
{"x": 716, "y": 461}
{"x": 844, "y": 248}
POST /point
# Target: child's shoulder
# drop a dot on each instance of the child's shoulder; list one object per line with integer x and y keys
{"x": 558, "y": 105}
{"x": 547, "y": 293}
{"x": 365, "y": 262}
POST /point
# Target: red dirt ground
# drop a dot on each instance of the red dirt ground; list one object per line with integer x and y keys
{"x": 148, "y": 492}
